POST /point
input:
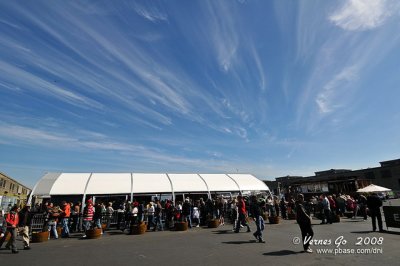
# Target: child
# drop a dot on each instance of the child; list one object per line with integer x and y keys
{"x": 196, "y": 215}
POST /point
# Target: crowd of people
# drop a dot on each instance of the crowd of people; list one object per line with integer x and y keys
{"x": 162, "y": 215}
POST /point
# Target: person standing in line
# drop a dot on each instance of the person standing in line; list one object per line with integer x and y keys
{"x": 88, "y": 213}
{"x": 3, "y": 225}
{"x": 234, "y": 213}
{"x": 203, "y": 212}
{"x": 141, "y": 211}
{"x": 157, "y": 216}
{"x": 64, "y": 215}
{"x": 98, "y": 213}
{"x": 187, "y": 212}
{"x": 304, "y": 220}
{"x": 25, "y": 217}
{"x": 255, "y": 212}
{"x": 109, "y": 214}
{"x": 53, "y": 214}
{"x": 276, "y": 205}
{"x": 196, "y": 214}
{"x": 374, "y": 204}
{"x": 283, "y": 208}
{"x": 150, "y": 215}
{"x": 363, "y": 206}
{"x": 77, "y": 218}
{"x": 242, "y": 215}
{"x": 12, "y": 220}
{"x": 327, "y": 210}
{"x": 221, "y": 211}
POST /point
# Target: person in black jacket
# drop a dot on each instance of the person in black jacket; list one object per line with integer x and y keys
{"x": 304, "y": 221}
{"x": 25, "y": 217}
{"x": 187, "y": 212}
{"x": 256, "y": 213}
{"x": 374, "y": 204}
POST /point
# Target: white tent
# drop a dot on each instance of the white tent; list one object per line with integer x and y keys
{"x": 373, "y": 188}
{"x": 57, "y": 184}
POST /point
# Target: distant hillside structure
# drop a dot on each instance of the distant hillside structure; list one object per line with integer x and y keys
{"x": 336, "y": 181}
{"x": 12, "y": 192}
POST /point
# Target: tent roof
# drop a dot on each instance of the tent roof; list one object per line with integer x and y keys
{"x": 53, "y": 184}
{"x": 373, "y": 188}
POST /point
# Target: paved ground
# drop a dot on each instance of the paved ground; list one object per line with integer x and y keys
{"x": 203, "y": 246}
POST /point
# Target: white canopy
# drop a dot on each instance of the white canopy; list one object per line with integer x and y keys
{"x": 373, "y": 188}
{"x": 53, "y": 184}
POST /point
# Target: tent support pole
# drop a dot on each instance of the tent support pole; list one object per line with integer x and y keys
{"x": 172, "y": 188}
{"x": 131, "y": 187}
{"x": 84, "y": 199}
{"x": 208, "y": 189}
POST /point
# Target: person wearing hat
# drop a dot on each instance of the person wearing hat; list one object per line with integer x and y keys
{"x": 25, "y": 218}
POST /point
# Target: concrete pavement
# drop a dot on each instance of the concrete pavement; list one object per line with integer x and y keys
{"x": 220, "y": 246}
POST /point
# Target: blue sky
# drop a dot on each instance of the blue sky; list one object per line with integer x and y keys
{"x": 270, "y": 88}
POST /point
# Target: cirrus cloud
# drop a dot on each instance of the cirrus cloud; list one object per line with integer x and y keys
{"x": 363, "y": 15}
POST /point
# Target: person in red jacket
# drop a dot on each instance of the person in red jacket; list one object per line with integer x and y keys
{"x": 12, "y": 220}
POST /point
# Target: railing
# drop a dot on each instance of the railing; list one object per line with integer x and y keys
{"x": 38, "y": 222}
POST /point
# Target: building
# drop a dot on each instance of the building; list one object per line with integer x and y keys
{"x": 12, "y": 192}
{"x": 346, "y": 181}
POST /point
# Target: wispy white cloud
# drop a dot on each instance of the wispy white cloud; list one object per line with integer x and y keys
{"x": 224, "y": 34}
{"x": 328, "y": 99}
{"x": 34, "y": 83}
{"x": 363, "y": 15}
{"x": 151, "y": 12}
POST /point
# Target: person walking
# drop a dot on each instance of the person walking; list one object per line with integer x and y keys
{"x": 25, "y": 217}
{"x": 12, "y": 220}
{"x": 304, "y": 220}
{"x": 374, "y": 204}
{"x": 242, "y": 215}
{"x": 255, "y": 212}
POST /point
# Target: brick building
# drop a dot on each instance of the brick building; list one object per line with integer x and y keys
{"x": 12, "y": 192}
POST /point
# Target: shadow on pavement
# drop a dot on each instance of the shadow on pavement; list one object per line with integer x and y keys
{"x": 221, "y": 231}
{"x": 239, "y": 242}
{"x": 391, "y": 232}
{"x": 282, "y": 253}
{"x": 361, "y": 232}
